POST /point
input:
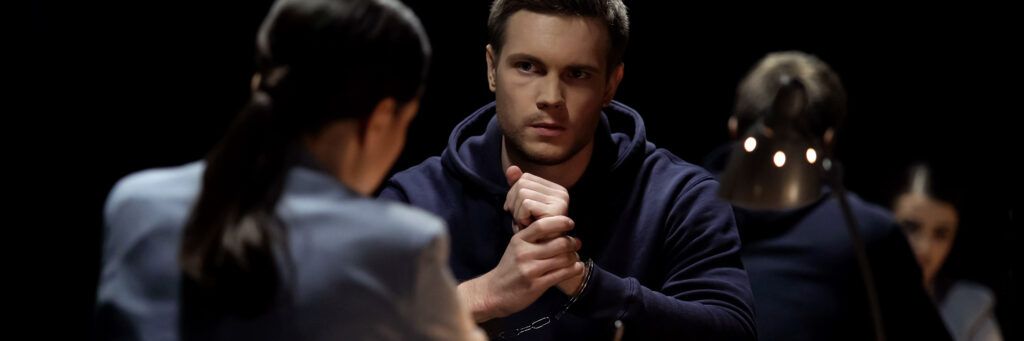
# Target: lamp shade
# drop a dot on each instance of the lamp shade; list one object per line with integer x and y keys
{"x": 777, "y": 163}
{"x": 772, "y": 170}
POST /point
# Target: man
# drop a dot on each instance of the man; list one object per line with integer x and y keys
{"x": 802, "y": 265}
{"x": 563, "y": 218}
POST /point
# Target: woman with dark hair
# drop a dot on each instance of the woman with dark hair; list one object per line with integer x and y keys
{"x": 273, "y": 236}
{"x": 927, "y": 209}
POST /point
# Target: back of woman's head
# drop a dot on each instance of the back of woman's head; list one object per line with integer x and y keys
{"x": 319, "y": 61}
{"x": 826, "y": 98}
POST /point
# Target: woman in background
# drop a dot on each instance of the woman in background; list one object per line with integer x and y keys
{"x": 927, "y": 210}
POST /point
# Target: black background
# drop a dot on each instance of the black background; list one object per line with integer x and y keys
{"x": 117, "y": 87}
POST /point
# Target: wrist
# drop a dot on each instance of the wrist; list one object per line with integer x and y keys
{"x": 474, "y": 297}
{"x": 588, "y": 270}
{"x": 571, "y": 287}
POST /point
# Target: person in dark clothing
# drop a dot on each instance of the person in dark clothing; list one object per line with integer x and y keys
{"x": 801, "y": 262}
{"x": 644, "y": 240}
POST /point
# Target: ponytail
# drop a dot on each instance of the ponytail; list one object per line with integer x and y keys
{"x": 320, "y": 61}
{"x": 228, "y": 245}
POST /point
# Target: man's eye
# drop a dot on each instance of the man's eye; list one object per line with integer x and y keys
{"x": 524, "y": 66}
{"x": 910, "y": 226}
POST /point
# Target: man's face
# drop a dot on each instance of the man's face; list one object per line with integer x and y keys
{"x": 550, "y": 83}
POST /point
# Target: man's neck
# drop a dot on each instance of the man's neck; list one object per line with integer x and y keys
{"x": 565, "y": 174}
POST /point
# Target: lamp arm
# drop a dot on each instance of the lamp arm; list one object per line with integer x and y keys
{"x": 835, "y": 178}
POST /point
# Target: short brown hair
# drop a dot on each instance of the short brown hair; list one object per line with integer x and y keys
{"x": 611, "y": 12}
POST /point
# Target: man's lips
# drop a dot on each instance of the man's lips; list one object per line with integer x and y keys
{"x": 547, "y": 129}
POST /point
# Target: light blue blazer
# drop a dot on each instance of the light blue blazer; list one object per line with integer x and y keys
{"x": 362, "y": 269}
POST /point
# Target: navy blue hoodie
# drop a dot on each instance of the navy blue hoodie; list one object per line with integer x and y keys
{"x": 666, "y": 248}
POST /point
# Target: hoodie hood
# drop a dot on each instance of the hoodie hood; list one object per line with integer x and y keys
{"x": 474, "y": 147}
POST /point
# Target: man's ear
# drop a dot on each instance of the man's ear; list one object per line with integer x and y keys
{"x": 613, "y": 83}
{"x": 734, "y": 127}
{"x": 254, "y": 82}
{"x": 491, "y": 65}
{"x": 829, "y": 138}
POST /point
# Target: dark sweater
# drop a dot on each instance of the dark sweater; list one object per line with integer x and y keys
{"x": 666, "y": 248}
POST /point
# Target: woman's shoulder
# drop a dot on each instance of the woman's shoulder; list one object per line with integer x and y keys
{"x": 342, "y": 218}
{"x": 149, "y": 201}
{"x": 969, "y": 293}
{"x": 156, "y": 184}
{"x": 967, "y": 301}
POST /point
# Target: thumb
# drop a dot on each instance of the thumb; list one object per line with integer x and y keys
{"x": 512, "y": 174}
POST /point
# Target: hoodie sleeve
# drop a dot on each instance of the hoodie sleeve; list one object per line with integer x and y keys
{"x": 706, "y": 293}
{"x": 393, "y": 192}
